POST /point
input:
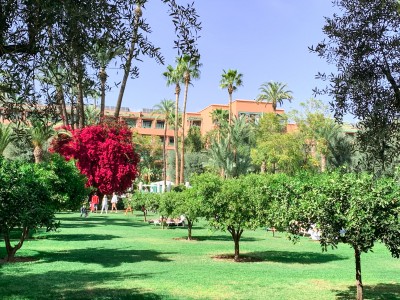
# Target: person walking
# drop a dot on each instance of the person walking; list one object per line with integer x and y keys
{"x": 104, "y": 205}
{"x": 114, "y": 201}
{"x": 95, "y": 201}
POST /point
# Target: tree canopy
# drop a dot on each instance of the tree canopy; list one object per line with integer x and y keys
{"x": 104, "y": 153}
{"x": 362, "y": 42}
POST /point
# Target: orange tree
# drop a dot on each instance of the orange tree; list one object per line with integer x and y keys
{"x": 355, "y": 209}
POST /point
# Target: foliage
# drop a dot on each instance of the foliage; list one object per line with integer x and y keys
{"x": 194, "y": 164}
{"x": 231, "y": 80}
{"x": 149, "y": 149}
{"x": 275, "y": 149}
{"x": 188, "y": 203}
{"x": 69, "y": 184}
{"x": 104, "y": 153}
{"x": 324, "y": 140}
{"x": 36, "y": 35}
{"x": 363, "y": 43}
{"x": 274, "y": 93}
{"x": 165, "y": 108}
{"x": 356, "y": 209}
{"x": 6, "y": 136}
{"x": 27, "y": 201}
{"x": 233, "y": 204}
{"x": 219, "y": 116}
{"x": 229, "y": 152}
{"x": 193, "y": 141}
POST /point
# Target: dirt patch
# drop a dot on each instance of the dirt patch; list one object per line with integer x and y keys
{"x": 19, "y": 259}
{"x": 242, "y": 258}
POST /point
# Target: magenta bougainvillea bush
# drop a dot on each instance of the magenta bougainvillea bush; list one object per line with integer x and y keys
{"x": 104, "y": 153}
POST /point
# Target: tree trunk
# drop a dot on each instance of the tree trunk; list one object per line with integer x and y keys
{"x": 62, "y": 106}
{"x": 230, "y": 107}
{"x": 127, "y": 67}
{"x": 182, "y": 177}
{"x": 190, "y": 225}
{"x": 165, "y": 154}
{"x": 323, "y": 162}
{"x": 81, "y": 106}
{"x": 357, "y": 256}
{"x": 263, "y": 167}
{"x": 236, "y": 234}
{"x": 103, "y": 79}
{"x": 176, "y": 148}
{"x": 12, "y": 250}
{"x": 38, "y": 154}
{"x": 72, "y": 113}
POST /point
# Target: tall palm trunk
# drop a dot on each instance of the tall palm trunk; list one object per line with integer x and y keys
{"x": 165, "y": 154}
{"x": 103, "y": 79}
{"x": 127, "y": 67}
{"x": 187, "y": 80}
{"x": 230, "y": 91}
{"x": 176, "y": 148}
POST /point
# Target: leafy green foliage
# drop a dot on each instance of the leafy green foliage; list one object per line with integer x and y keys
{"x": 233, "y": 204}
{"x": 69, "y": 183}
{"x": 363, "y": 43}
{"x": 275, "y": 149}
{"x": 27, "y": 201}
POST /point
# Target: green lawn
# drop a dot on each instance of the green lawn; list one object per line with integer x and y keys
{"x": 120, "y": 257}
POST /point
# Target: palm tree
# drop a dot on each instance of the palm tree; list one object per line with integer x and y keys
{"x": 230, "y": 80}
{"x": 6, "y": 136}
{"x": 166, "y": 108}
{"x": 131, "y": 55}
{"x": 231, "y": 153}
{"x": 92, "y": 115}
{"x": 104, "y": 55}
{"x": 39, "y": 133}
{"x": 275, "y": 93}
{"x": 219, "y": 116}
{"x": 174, "y": 77}
{"x": 189, "y": 68}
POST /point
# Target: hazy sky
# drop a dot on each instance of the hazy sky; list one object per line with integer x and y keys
{"x": 265, "y": 40}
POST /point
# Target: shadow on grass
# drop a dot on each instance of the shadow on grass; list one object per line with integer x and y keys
{"x": 104, "y": 257}
{"x": 294, "y": 257}
{"x": 225, "y": 238}
{"x": 381, "y": 291}
{"x": 99, "y": 220}
{"x": 81, "y": 237}
{"x": 71, "y": 285}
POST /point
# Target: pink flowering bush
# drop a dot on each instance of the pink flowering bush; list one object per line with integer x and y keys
{"x": 104, "y": 153}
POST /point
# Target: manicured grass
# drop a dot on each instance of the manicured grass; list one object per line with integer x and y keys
{"x": 120, "y": 257}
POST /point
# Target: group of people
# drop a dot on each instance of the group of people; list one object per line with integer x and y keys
{"x": 94, "y": 203}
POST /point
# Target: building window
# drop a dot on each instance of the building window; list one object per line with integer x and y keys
{"x": 171, "y": 140}
{"x": 196, "y": 123}
{"x": 162, "y": 139}
{"x": 160, "y": 125}
{"x": 146, "y": 123}
{"x": 131, "y": 122}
